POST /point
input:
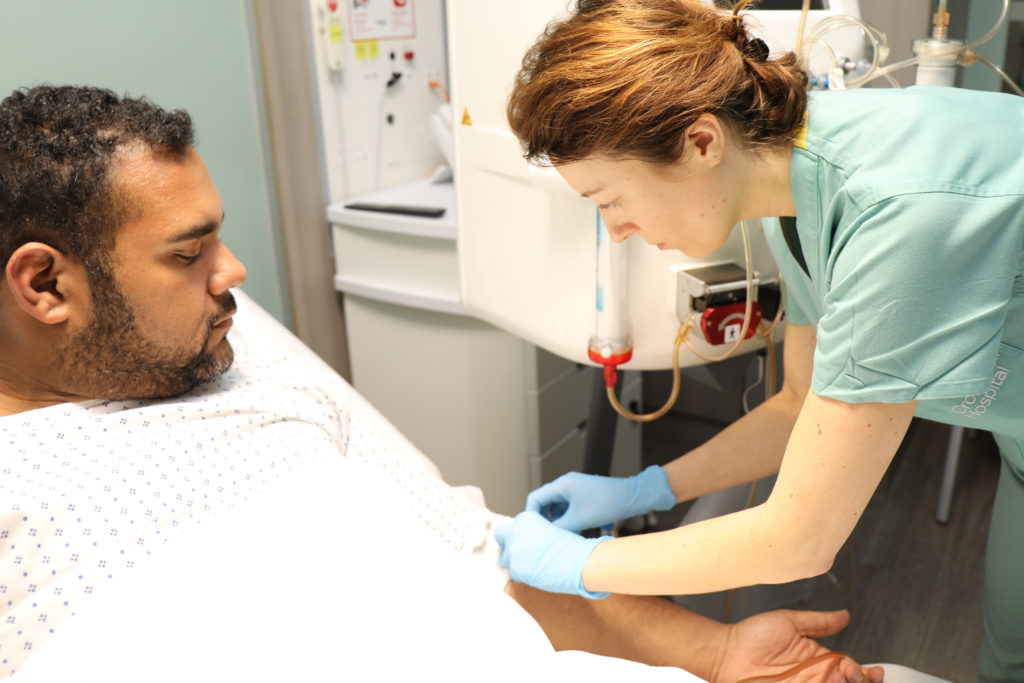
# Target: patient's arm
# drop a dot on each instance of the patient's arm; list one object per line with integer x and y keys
{"x": 658, "y": 632}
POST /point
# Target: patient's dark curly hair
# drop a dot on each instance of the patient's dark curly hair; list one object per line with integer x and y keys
{"x": 57, "y": 147}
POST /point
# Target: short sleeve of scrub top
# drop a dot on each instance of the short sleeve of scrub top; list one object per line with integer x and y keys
{"x": 908, "y": 281}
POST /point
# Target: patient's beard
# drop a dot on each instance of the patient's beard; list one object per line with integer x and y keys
{"x": 111, "y": 358}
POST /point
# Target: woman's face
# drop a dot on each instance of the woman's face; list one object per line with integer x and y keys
{"x": 683, "y": 206}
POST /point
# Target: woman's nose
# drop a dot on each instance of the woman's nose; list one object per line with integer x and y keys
{"x": 620, "y": 231}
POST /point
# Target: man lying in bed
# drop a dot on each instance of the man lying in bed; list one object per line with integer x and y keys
{"x": 251, "y": 523}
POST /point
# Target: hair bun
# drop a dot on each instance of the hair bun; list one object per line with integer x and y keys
{"x": 756, "y": 49}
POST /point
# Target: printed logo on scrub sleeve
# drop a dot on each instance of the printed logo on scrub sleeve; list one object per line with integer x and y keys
{"x": 978, "y": 404}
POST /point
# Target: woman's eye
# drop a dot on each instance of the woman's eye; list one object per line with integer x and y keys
{"x": 609, "y": 205}
{"x": 188, "y": 259}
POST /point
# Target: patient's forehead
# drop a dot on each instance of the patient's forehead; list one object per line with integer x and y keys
{"x": 163, "y": 194}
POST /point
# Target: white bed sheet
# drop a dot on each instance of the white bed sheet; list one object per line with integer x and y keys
{"x": 351, "y": 560}
{"x": 354, "y": 593}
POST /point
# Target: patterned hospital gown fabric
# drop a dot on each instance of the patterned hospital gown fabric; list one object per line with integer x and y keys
{"x": 87, "y": 489}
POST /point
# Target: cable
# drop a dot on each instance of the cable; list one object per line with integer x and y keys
{"x": 769, "y": 387}
{"x": 438, "y": 85}
{"x": 766, "y": 357}
{"x": 757, "y": 383}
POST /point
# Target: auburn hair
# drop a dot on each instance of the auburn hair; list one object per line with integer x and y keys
{"x": 627, "y": 78}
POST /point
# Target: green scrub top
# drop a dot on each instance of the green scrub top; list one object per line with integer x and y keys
{"x": 907, "y": 250}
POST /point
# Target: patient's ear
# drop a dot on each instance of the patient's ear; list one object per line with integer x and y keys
{"x": 44, "y": 282}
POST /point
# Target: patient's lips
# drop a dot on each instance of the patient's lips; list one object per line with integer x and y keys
{"x": 225, "y": 323}
{"x": 230, "y": 308}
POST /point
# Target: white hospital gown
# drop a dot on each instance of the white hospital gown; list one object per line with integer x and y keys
{"x": 88, "y": 489}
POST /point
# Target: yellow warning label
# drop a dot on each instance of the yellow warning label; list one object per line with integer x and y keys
{"x": 367, "y": 49}
{"x": 466, "y": 121}
{"x": 335, "y": 32}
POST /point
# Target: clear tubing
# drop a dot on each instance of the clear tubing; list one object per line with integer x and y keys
{"x": 954, "y": 49}
{"x": 879, "y": 42}
{"x": 897, "y": 66}
{"x": 1005, "y": 76}
{"x": 684, "y": 330}
{"x": 611, "y": 336}
{"x": 825, "y": 46}
{"x": 778, "y": 312}
{"x": 800, "y": 30}
{"x": 994, "y": 30}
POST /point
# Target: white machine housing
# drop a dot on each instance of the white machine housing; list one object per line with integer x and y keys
{"x": 527, "y": 243}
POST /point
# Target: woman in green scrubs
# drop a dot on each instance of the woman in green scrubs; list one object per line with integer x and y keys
{"x": 897, "y": 220}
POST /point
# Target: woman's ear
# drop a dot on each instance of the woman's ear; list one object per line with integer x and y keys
{"x": 707, "y": 138}
{"x": 43, "y": 281}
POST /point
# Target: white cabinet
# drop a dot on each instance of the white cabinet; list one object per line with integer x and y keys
{"x": 489, "y": 408}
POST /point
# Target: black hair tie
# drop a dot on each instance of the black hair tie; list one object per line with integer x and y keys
{"x": 756, "y": 49}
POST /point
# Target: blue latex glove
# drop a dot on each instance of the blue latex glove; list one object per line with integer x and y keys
{"x": 538, "y": 553}
{"x": 577, "y": 501}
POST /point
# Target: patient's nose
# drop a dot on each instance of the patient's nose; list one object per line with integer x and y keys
{"x": 230, "y": 272}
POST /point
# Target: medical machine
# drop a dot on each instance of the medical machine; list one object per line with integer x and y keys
{"x": 489, "y": 407}
{"x": 479, "y": 288}
{"x": 533, "y": 256}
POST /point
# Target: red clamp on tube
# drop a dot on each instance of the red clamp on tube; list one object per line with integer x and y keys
{"x": 610, "y": 361}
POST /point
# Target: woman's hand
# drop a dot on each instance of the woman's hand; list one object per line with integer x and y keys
{"x": 764, "y": 646}
{"x": 539, "y": 554}
{"x": 578, "y": 501}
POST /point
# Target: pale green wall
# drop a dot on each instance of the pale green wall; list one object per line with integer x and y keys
{"x": 982, "y": 16}
{"x": 198, "y": 55}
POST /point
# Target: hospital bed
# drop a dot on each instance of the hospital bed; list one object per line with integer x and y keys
{"x": 332, "y": 571}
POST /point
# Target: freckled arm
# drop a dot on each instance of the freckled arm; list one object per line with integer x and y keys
{"x": 753, "y": 446}
{"x": 835, "y": 457}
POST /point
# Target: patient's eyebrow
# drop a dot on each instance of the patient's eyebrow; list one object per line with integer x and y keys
{"x": 197, "y": 232}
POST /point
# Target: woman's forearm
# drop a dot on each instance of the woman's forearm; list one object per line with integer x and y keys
{"x": 747, "y": 450}
{"x": 835, "y": 458}
{"x": 739, "y": 549}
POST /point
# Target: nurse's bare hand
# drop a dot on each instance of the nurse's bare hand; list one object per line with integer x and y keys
{"x": 780, "y": 646}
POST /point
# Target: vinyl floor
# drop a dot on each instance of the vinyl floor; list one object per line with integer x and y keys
{"x": 913, "y": 586}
